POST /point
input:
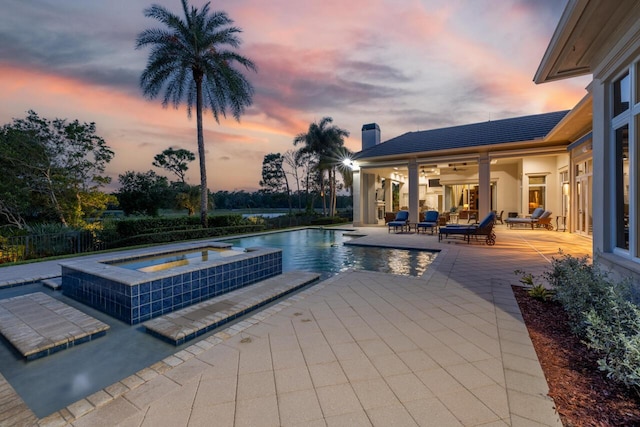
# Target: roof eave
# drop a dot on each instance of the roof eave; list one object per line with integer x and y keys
{"x": 547, "y": 70}
{"x": 504, "y": 146}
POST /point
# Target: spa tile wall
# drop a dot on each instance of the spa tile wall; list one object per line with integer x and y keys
{"x": 138, "y": 303}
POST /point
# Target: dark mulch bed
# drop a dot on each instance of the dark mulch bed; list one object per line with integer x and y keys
{"x": 582, "y": 394}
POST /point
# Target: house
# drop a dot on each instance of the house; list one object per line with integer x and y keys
{"x": 513, "y": 165}
{"x": 602, "y": 38}
{"x": 583, "y": 165}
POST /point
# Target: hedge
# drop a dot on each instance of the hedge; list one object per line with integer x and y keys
{"x": 178, "y": 235}
{"x": 136, "y": 226}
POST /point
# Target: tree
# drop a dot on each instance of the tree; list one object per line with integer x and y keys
{"x": 295, "y": 164}
{"x": 142, "y": 192}
{"x": 58, "y": 163}
{"x": 187, "y": 197}
{"x": 174, "y": 161}
{"x": 324, "y": 141}
{"x": 274, "y": 178}
{"x": 191, "y": 62}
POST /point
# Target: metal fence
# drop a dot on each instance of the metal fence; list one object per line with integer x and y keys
{"x": 18, "y": 248}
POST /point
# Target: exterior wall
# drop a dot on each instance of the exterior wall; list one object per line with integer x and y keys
{"x": 547, "y": 166}
{"x": 507, "y": 187}
{"x": 609, "y": 66}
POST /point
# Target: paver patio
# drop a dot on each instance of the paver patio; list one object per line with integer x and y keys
{"x": 362, "y": 348}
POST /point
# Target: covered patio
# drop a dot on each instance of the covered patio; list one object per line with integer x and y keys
{"x": 511, "y": 166}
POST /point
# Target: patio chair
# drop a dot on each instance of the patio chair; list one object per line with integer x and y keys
{"x": 485, "y": 228}
{"x": 430, "y": 221}
{"x": 401, "y": 220}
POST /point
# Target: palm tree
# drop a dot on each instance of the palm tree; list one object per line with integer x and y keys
{"x": 191, "y": 62}
{"x": 325, "y": 141}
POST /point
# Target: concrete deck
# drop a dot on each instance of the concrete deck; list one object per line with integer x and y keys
{"x": 362, "y": 348}
{"x": 191, "y": 322}
{"x": 38, "y": 325}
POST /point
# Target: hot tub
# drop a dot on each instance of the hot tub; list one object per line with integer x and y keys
{"x": 137, "y": 288}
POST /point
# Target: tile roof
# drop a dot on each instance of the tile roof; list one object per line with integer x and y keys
{"x": 516, "y": 129}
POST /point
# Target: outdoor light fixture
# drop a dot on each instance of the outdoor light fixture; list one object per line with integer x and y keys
{"x": 350, "y": 164}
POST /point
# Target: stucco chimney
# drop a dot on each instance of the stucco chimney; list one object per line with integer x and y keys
{"x": 370, "y": 135}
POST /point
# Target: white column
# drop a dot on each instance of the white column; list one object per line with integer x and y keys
{"x": 388, "y": 195}
{"x": 357, "y": 199}
{"x": 484, "y": 190}
{"x": 414, "y": 191}
{"x": 604, "y": 173}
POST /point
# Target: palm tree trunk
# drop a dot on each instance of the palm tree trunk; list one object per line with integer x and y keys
{"x": 204, "y": 196}
{"x": 334, "y": 192}
{"x": 330, "y": 171}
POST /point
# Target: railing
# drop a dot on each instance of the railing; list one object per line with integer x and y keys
{"x": 18, "y": 248}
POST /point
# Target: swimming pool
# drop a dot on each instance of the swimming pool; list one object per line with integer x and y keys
{"x": 324, "y": 251}
{"x": 56, "y": 381}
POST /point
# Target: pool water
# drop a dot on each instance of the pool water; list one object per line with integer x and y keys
{"x": 324, "y": 251}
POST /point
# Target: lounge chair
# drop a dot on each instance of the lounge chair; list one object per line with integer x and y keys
{"x": 485, "y": 228}
{"x": 401, "y": 220}
{"x": 545, "y": 221}
{"x": 430, "y": 221}
{"x": 532, "y": 220}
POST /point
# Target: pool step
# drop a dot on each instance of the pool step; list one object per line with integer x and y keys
{"x": 190, "y": 322}
{"x": 38, "y": 325}
{"x": 54, "y": 283}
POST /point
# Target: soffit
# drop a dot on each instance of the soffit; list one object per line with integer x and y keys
{"x": 587, "y": 28}
{"x": 577, "y": 123}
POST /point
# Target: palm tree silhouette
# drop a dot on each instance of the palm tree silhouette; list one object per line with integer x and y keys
{"x": 191, "y": 61}
{"x": 325, "y": 141}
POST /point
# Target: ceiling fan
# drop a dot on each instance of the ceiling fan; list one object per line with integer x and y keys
{"x": 456, "y": 168}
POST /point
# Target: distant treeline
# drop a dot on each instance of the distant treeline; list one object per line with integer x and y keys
{"x": 261, "y": 199}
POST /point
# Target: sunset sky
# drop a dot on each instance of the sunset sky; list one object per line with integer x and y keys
{"x": 404, "y": 64}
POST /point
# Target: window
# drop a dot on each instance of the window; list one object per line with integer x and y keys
{"x": 537, "y": 192}
{"x": 622, "y": 187}
{"x": 621, "y": 95}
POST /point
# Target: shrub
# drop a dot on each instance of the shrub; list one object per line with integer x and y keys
{"x": 328, "y": 220}
{"x": 535, "y": 290}
{"x": 136, "y": 226}
{"x": 178, "y": 235}
{"x": 577, "y": 284}
{"x": 615, "y": 333}
{"x": 603, "y": 313}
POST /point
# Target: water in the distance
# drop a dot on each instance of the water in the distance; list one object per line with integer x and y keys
{"x": 323, "y": 251}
